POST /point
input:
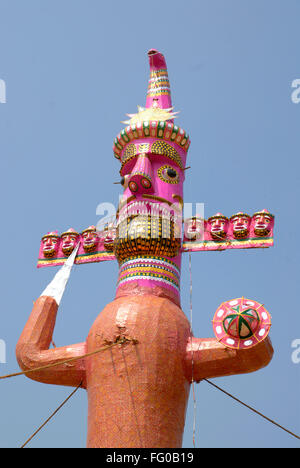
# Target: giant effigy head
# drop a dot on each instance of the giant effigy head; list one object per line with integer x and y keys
{"x": 152, "y": 151}
{"x": 148, "y": 226}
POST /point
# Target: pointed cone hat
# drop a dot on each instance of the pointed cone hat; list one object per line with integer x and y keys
{"x": 217, "y": 216}
{"x": 159, "y": 91}
{"x": 152, "y": 128}
{"x": 264, "y": 212}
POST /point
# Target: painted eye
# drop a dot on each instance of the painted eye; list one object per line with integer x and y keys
{"x": 146, "y": 183}
{"x": 168, "y": 174}
{"x": 133, "y": 186}
{"x": 124, "y": 181}
{"x": 171, "y": 173}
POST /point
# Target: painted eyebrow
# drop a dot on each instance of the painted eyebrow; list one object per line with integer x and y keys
{"x": 131, "y": 158}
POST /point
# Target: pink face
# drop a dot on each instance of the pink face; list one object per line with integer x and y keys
{"x": 90, "y": 239}
{"x": 109, "y": 237}
{"x": 153, "y": 188}
{"x": 262, "y": 224}
{"x": 154, "y": 181}
{"x": 218, "y": 228}
{"x": 69, "y": 242}
{"x": 240, "y": 226}
{"x": 194, "y": 229}
{"x": 50, "y": 246}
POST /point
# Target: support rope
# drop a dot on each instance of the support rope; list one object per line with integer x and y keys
{"x": 48, "y": 366}
{"x": 252, "y": 409}
{"x": 122, "y": 340}
{"x": 191, "y": 332}
{"x": 51, "y": 416}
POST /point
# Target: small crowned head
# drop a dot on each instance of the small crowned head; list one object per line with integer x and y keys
{"x": 218, "y": 226}
{"x": 69, "y": 239}
{"x": 194, "y": 228}
{"x": 109, "y": 236}
{"x": 89, "y": 239}
{"x": 240, "y": 225}
{"x": 262, "y": 221}
{"x": 50, "y": 244}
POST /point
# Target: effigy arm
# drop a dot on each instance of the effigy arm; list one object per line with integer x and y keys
{"x": 33, "y": 351}
{"x": 33, "y": 346}
{"x": 208, "y": 358}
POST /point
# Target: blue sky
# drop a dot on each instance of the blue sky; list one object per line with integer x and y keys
{"x": 72, "y": 70}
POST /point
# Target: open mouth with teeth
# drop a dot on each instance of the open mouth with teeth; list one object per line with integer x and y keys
{"x": 89, "y": 245}
{"x": 240, "y": 232}
{"x": 151, "y": 208}
{"x": 49, "y": 252}
{"x": 218, "y": 233}
{"x": 68, "y": 249}
{"x": 148, "y": 227}
{"x": 261, "y": 230}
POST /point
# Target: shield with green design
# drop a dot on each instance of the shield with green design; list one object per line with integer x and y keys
{"x": 241, "y": 323}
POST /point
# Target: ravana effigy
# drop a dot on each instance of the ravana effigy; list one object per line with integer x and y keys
{"x": 138, "y": 388}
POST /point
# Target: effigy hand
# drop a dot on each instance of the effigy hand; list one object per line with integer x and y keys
{"x": 241, "y": 345}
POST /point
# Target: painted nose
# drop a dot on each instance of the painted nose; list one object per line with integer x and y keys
{"x": 141, "y": 176}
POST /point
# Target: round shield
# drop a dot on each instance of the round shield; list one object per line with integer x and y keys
{"x": 241, "y": 323}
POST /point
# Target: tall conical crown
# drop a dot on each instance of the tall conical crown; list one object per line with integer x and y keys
{"x": 159, "y": 91}
{"x": 152, "y": 128}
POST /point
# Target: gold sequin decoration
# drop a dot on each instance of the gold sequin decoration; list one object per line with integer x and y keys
{"x": 161, "y": 147}
{"x": 129, "y": 152}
